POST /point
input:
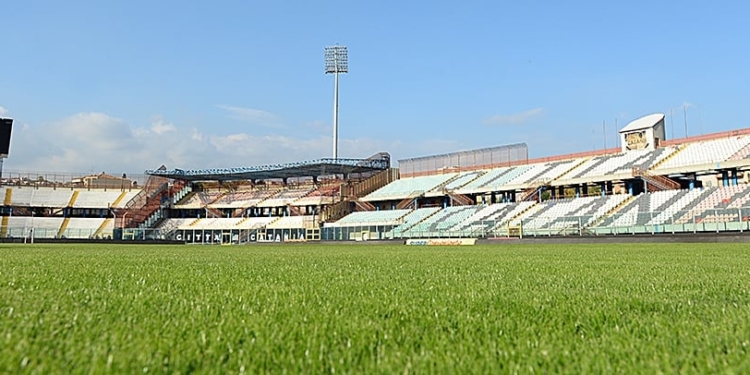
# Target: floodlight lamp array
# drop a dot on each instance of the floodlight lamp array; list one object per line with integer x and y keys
{"x": 337, "y": 60}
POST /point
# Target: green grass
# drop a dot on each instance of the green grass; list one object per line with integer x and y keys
{"x": 375, "y": 309}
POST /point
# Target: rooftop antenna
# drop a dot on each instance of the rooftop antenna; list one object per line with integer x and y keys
{"x": 337, "y": 61}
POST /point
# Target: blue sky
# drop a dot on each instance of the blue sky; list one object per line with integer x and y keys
{"x": 125, "y": 86}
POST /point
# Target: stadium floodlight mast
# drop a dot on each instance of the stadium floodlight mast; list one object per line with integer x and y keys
{"x": 337, "y": 61}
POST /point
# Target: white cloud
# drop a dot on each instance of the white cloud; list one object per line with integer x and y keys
{"x": 3, "y": 111}
{"x": 252, "y": 116}
{"x": 514, "y": 118}
{"x": 160, "y": 127}
{"x": 96, "y": 142}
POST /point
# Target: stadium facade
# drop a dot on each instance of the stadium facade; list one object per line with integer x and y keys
{"x": 647, "y": 185}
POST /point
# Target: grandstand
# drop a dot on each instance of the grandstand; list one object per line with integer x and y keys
{"x": 648, "y": 185}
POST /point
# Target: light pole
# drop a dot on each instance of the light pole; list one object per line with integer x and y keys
{"x": 337, "y": 61}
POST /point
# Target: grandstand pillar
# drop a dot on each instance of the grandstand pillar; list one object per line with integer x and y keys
{"x": 578, "y": 191}
{"x": 734, "y": 177}
{"x": 629, "y": 187}
{"x": 561, "y": 191}
{"x": 603, "y": 188}
{"x": 610, "y": 187}
{"x": 552, "y": 194}
{"x": 724, "y": 178}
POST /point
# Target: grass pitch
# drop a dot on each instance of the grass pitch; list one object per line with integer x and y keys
{"x": 375, "y": 309}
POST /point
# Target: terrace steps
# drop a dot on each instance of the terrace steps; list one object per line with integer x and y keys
{"x": 417, "y": 223}
{"x": 514, "y": 217}
{"x": 741, "y": 154}
{"x": 4, "y": 225}
{"x": 73, "y": 199}
{"x": 571, "y": 169}
{"x": 8, "y": 196}
{"x": 64, "y": 225}
{"x": 664, "y": 160}
{"x": 612, "y": 211}
{"x": 459, "y": 199}
{"x": 409, "y": 200}
{"x": 468, "y": 183}
{"x": 103, "y": 225}
{"x": 119, "y": 198}
{"x": 445, "y": 183}
{"x": 655, "y": 182}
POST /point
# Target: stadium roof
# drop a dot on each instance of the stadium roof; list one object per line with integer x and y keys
{"x": 320, "y": 167}
{"x": 644, "y": 122}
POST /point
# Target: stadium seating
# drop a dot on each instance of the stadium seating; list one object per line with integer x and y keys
{"x": 405, "y": 187}
{"x": 199, "y": 199}
{"x": 242, "y": 199}
{"x": 488, "y": 177}
{"x": 439, "y": 224}
{"x": 543, "y": 172}
{"x": 103, "y": 199}
{"x": 84, "y": 227}
{"x": 319, "y": 196}
{"x": 292, "y": 222}
{"x": 619, "y": 163}
{"x": 44, "y": 227}
{"x": 412, "y": 219}
{"x": 362, "y": 218}
{"x": 568, "y": 215}
{"x": 647, "y": 210}
{"x": 714, "y": 205}
{"x": 284, "y": 197}
{"x": 706, "y": 152}
{"x": 461, "y": 179}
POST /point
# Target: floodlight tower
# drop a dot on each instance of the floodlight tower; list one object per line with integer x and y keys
{"x": 336, "y": 62}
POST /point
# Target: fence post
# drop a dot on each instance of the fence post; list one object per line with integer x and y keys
{"x": 739, "y": 217}
{"x": 716, "y": 214}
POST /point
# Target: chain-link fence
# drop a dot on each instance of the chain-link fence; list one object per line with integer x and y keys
{"x": 485, "y": 158}
{"x": 672, "y": 222}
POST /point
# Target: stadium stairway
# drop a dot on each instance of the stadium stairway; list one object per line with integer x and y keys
{"x": 4, "y": 227}
{"x": 98, "y": 231}
{"x": 360, "y": 205}
{"x": 185, "y": 198}
{"x": 571, "y": 169}
{"x": 72, "y": 201}
{"x": 404, "y": 230}
{"x": 444, "y": 184}
{"x": 611, "y": 212}
{"x": 665, "y": 159}
{"x": 459, "y": 199}
{"x": 215, "y": 212}
{"x": 409, "y": 200}
{"x": 469, "y": 182}
{"x": 119, "y": 199}
{"x": 293, "y": 210}
{"x": 741, "y": 154}
{"x": 533, "y": 192}
{"x": 516, "y": 217}
{"x": 8, "y": 197}
{"x": 65, "y": 222}
{"x": 655, "y": 182}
